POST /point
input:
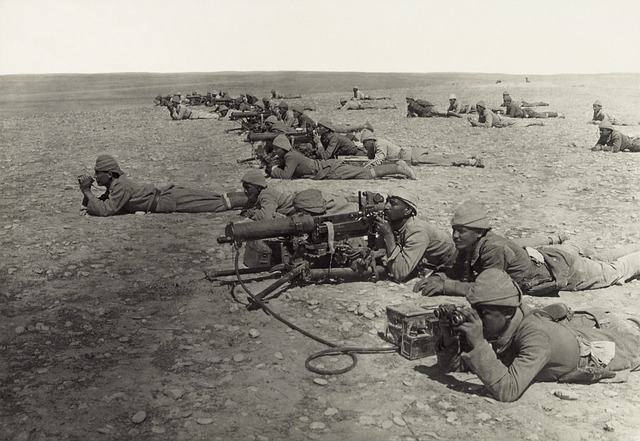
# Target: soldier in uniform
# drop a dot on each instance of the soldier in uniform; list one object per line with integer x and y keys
{"x": 508, "y": 345}
{"x": 539, "y": 271}
{"x": 125, "y": 196}
{"x": 296, "y": 165}
{"x": 180, "y": 111}
{"x": 379, "y": 150}
{"x": 613, "y": 141}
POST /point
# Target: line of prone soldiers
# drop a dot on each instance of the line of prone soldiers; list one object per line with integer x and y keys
{"x": 500, "y": 338}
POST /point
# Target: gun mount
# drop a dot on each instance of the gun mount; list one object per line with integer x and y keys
{"x": 305, "y": 248}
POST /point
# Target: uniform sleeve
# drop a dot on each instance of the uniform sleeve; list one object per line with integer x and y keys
{"x": 174, "y": 113}
{"x": 331, "y": 148}
{"x": 508, "y": 383}
{"x": 287, "y": 171}
{"x": 380, "y": 155}
{"x": 616, "y": 142}
{"x": 405, "y": 257}
{"x": 119, "y": 195}
{"x": 267, "y": 206}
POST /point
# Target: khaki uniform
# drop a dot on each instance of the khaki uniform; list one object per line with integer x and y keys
{"x": 126, "y": 196}
{"x": 535, "y": 348}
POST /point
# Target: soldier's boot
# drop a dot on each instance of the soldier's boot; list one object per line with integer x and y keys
{"x": 473, "y": 162}
{"x": 399, "y": 168}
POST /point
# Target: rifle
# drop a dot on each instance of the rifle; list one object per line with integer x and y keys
{"x": 305, "y": 248}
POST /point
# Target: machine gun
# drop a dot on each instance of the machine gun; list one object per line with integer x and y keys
{"x": 250, "y": 121}
{"x": 262, "y": 152}
{"x": 305, "y": 249}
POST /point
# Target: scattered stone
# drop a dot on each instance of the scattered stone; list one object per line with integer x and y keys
{"x": 330, "y": 411}
{"x": 451, "y": 417}
{"x": 123, "y": 339}
{"x": 565, "y": 395}
{"x": 103, "y": 430}
{"x": 139, "y": 417}
{"x": 317, "y": 425}
{"x": 20, "y": 330}
{"x": 398, "y": 421}
{"x": 369, "y": 315}
{"x": 175, "y": 393}
{"x": 204, "y": 421}
{"x": 254, "y": 333}
{"x": 610, "y": 393}
{"x": 238, "y": 358}
{"x": 609, "y": 427}
{"x": 158, "y": 429}
{"x": 483, "y": 416}
{"x": 278, "y": 355}
{"x": 186, "y": 413}
{"x": 407, "y": 383}
{"x": 387, "y": 424}
{"x": 320, "y": 381}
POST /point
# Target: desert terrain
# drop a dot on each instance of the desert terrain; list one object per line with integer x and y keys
{"x": 109, "y": 329}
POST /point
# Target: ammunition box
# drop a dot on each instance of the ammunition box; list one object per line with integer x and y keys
{"x": 413, "y": 330}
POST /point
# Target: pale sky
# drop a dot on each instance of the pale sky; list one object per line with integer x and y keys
{"x": 501, "y": 36}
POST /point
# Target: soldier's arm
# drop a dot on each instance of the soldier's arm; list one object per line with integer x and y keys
{"x": 616, "y": 142}
{"x": 404, "y": 258}
{"x": 118, "y": 197}
{"x": 508, "y": 383}
{"x": 287, "y": 171}
{"x": 266, "y": 207}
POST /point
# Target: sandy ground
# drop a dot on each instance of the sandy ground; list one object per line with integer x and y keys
{"x": 105, "y": 318}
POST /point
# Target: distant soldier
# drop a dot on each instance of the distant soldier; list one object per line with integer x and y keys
{"x": 333, "y": 145}
{"x": 358, "y": 95}
{"x": 486, "y": 118}
{"x": 354, "y": 104}
{"x": 279, "y": 96}
{"x": 380, "y": 150}
{"x": 613, "y": 141}
{"x": 422, "y": 109}
{"x": 286, "y": 115}
{"x": 456, "y": 107}
{"x": 600, "y": 115}
{"x": 180, "y": 111}
{"x": 296, "y": 165}
{"x": 514, "y": 111}
{"x": 125, "y": 196}
{"x": 506, "y": 96}
{"x": 302, "y": 120}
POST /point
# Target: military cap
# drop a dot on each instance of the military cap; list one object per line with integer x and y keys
{"x": 453, "y": 97}
{"x": 507, "y": 97}
{"x": 405, "y": 195}
{"x": 471, "y": 214}
{"x": 222, "y": 108}
{"x": 355, "y": 87}
{"x": 343, "y": 100}
{"x": 255, "y": 177}
{"x": 175, "y": 99}
{"x": 283, "y": 105}
{"x": 597, "y": 103}
{"x": 606, "y": 124}
{"x": 310, "y": 201}
{"x": 367, "y": 135}
{"x": 494, "y": 287}
{"x": 481, "y": 104}
{"x": 505, "y": 93}
{"x": 266, "y": 99}
{"x": 326, "y": 124}
{"x": 297, "y": 109}
{"x": 282, "y": 142}
{"x": 107, "y": 163}
{"x": 271, "y": 119}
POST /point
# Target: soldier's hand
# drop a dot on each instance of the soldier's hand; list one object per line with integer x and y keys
{"x": 85, "y": 181}
{"x": 382, "y": 227}
{"x": 267, "y": 169}
{"x": 472, "y": 327}
{"x": 431, "y": 286}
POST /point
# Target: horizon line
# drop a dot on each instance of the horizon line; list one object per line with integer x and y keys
{"x": 316, "y": 71}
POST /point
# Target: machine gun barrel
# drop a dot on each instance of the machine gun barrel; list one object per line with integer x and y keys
{"x": 342, "y": 225}
{"x": 239, "y": 115}
{"x": 294, "y": 137}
